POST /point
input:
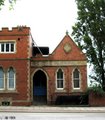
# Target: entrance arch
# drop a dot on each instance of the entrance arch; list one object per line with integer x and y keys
{"x": 39, "y": 87}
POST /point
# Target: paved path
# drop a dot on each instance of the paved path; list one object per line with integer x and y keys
{"x": 52, "y": 116}
{"x": 51, "y": 109}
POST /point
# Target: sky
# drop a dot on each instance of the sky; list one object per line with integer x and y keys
{"x": 48, "y": 19}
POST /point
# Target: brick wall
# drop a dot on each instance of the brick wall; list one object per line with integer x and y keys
{"x": 21, "y": 59}
{"x": 96, "y": 100}
{"x": 74, "y": 54}
{"x": 20, "y": 62}
{"x": 67, "y": 61}
{"x": 21, "y": 39}
{"x": 52, "y": 91}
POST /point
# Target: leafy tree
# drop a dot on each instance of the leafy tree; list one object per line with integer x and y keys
{"x": 11, "y": 2}
{"x": 89, "y": 33}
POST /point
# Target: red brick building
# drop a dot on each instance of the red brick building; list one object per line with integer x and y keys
{"x": 29, "y": 74}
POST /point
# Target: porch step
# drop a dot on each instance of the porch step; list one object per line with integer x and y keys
{"x": 39, "y": 100}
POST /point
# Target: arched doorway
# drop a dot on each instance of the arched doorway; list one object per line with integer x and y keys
{"x": 39, "y": 87}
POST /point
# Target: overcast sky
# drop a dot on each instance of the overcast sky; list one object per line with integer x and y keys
{"x": 48, "y": 19}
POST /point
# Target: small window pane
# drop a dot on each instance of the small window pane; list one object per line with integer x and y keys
{"x": 7, "y": 47}
{"x": 76, "y": 83}
{"x": 2, "y": 47}
{"x": 60, "y": 78}
{"x": 1, "y": 78}
{"x": 11, "y": 83}
{"x": 12, "y": 47}
{"x": 76, "y": 73}
{"x": 60, "y": 74}
{"x": 76, "y": 78}
{"x": 60, "y": 84}
{"x": 11, "y": 78}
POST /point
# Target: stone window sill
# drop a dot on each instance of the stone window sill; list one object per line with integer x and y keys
{"x": 8, "y": 91}
{"x": 60, "y": 91}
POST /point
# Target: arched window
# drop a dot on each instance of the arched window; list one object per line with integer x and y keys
{"x": 76, "y": 78}
{"x": 11, "y": 79}
{"x": 1, "y": 78}
{"x": 60, "y": 79}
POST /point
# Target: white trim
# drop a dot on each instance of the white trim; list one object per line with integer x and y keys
{"x": 73, "y": 79}
{"x": 10, "y": 43}
{"x": 4, "y": 80}
{"x": 14, "y": 87}
{"x": 57, "y": 79}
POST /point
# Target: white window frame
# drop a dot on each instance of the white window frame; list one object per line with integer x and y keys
{"x": 4, "y": 80}
{"x": 14, "y": 87}
{"x": 76, "y": 88}
{"x": 59, "y": 79}
{"x": 5, "y": 50}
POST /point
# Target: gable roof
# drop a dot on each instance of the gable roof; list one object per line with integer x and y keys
{"x": 67, "y": 50}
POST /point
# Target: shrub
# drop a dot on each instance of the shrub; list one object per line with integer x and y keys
{"x": 96, "y": 89}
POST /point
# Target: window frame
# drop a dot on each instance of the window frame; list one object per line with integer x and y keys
{"x": 76, "y": 79}
{"x": 59, "y": 79}
{"x": 8, "y": 79}
{"x": 9, "y": 49}
{"x": 3, "y": 79}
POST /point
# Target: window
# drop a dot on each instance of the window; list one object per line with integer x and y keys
{"x": 8, "y": 47}
{"x": 76, "y": 79}
{"x": 11, "y": 78}
{"x": 10, "y": 82}
{"x": 1, "y": 78}
{"x": 60, "y": 79}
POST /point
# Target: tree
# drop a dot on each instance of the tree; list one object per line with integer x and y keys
{"x": 11, "y": 2}
{"x": 89, "y": 33}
